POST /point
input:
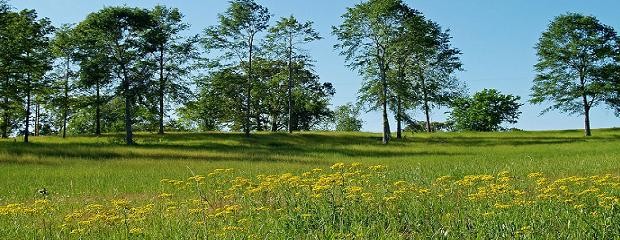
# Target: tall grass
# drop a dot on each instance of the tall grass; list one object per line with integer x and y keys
{"x": 82, "y": 171}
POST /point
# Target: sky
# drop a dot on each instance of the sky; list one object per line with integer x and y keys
{"x": 496, "y": 38}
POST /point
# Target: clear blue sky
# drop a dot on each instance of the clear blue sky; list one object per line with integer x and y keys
{"x": 496, "y": 37}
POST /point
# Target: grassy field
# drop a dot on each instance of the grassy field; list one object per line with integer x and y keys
{"x": 314, "y": 186}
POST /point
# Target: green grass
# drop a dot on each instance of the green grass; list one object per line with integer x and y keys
{"x": 91, "y": 169}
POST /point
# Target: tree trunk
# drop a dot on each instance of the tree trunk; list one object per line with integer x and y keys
{"x": 36, "y": 119}
{"x": 128, "y": 118}
{"x": 290, "y": 84}
{"x": 586, "y": 105}
{"x": 246, "y": 127}
{"x": 65, "y": 112}
{"x": 27, "y": 119}
{"x": 259, "y": 125}
{"x": 66, "y": 102}
{"x": 5, "y": 111}
{"x": 128, "y": 129}
{"x": 98, "y": 111}
{"x": 399, "y": 118}
{"x": 274, "y": 124}
{"x": 161, "y": 90}
{"x": 386, "y": 123}
{"x": 588, "y": 131}
{"x": 5, "y": 120}
{"x": 586, "y": 113}
{"x": 428, "y": 116}
{"x": 426, "y": 105}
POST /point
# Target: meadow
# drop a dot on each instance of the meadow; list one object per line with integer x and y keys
{"x": 314, "y": 185}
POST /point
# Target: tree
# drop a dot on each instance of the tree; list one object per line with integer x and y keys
{"x": 8, "y": 89}
{"x": 220, "y": 98}
{"x": 435, "y": 67}
{"x": 347, "y": 118}
{"x": 32, "y": 58}
{"x": 236, "y": 34}
{"x": 366, "y": 37}
{"x": 417, "y": 39}
{"x": 95, "y": 74}
{"x": 120, "y": 33}
{"x": 573, "y": 54}
{"x": 63, "y": 47}
{"x": 172, "y": 54}
{"x": 218, "y": 102}
{"x": 271, "y": 93}
{"x": 284, "y": 39}
{"x": 485, "y": 111}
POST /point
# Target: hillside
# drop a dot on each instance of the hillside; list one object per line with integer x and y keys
{"x": 78, "y": 172}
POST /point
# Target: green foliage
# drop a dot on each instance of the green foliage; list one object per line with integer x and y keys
{"x": 406, "y": 60}
{"x": 26, "y": 59}
{"x": 174, "y": 55}
{"x": 420, "y": 126}
{"x": 485, "y": 111}
{"x": 271, "y": 93}
{"x": 121, "y": 33}
{"x": 575, "y": 56}
{"x": 220, "y": 98}
{"x": 60, "y": 96}
{"x": 235, "y": 36}
{"x": 283, "y": 42}
{"x": 347, "y": 118}
{"x": 613, "y": 95}
{"x": 367, "y": 35}
{"x": 286, "y": 37}
{"x": 219, "y": 102}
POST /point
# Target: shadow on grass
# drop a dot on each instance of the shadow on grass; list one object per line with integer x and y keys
{"x": 498, "y": 141}
{"x": 280, "y": 147}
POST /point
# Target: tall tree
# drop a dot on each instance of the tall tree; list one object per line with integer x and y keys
{"x": 8, "y": 89}
{"x": 63, "y": 47}
{"x": 95, "y": 72}
{"x": 236, "y": 34}
{"x": 173, "y": 54}
{"x": 572, "y": 53}
{"x": 33, "y": 57}
{"x": 435, "y": 67}
{"x": 284, "y": 39}
{"x": 120, "y": 33}
{"x": 366, "y": 37}
{"x": 415, "y": 37}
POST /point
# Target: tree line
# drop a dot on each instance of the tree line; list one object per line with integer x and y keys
{"x": 134, "y": 69}
{"x": 125, "y": 68}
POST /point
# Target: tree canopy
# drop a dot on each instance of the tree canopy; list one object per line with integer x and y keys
{"x": 575, "y": 57}
{"x": 486, "y": 111}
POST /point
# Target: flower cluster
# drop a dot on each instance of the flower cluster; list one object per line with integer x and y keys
{"x": 344, "y": 200}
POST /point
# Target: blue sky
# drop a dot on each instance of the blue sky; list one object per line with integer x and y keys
{"x": 496, "y": 38}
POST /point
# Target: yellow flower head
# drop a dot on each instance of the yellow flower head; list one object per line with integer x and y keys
{"x": 136, "y": 231}
{"x": 337, "y": 166}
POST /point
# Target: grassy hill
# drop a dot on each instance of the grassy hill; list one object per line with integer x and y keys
{"x": 80, "y": 170}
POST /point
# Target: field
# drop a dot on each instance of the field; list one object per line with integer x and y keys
{"x": 552, "y": 184}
